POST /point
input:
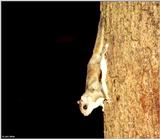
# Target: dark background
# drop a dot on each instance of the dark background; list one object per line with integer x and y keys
{"x": 45, "y": 50}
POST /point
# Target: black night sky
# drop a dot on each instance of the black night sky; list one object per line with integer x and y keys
{"x": 45, "y": 50}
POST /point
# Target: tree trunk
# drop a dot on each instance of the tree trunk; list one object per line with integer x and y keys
{"x": 132, "y": 30}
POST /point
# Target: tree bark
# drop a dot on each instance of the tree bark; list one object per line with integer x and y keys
{"x": 132, "y": 30}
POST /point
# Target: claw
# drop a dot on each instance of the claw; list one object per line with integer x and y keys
{"x": 108, "y": 100}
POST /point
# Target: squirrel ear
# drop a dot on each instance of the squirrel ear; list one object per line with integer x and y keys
{"x": 77, "y": 102}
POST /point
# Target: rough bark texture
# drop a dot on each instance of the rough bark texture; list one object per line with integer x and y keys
{"x": 132, "y": 30}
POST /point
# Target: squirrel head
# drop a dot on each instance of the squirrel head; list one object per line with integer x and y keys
{"x": 87, "y": 104}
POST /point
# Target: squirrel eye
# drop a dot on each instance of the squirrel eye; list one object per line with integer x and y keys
{"x": 85, "y": 107}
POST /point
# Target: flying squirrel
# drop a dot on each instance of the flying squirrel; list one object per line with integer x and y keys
{"x": 96, "y": 90}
